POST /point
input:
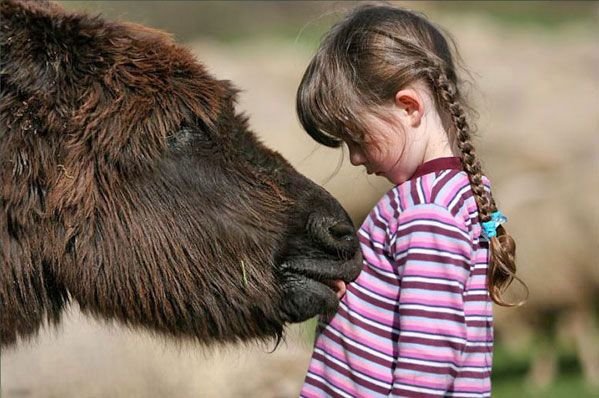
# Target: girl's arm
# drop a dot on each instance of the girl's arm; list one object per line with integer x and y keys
{"x": 432, "y": 249}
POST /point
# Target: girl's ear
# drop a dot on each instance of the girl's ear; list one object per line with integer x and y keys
{"x": 411, "y": 106}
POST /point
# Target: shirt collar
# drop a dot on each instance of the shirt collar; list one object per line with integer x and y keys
{"x": 439, "y": 164}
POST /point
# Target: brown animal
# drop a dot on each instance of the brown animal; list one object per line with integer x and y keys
{"x": 130, "y": 185}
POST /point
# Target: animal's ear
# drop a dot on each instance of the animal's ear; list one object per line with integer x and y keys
{"x": 116, "y": 89}
{"x": 28, "y": 51}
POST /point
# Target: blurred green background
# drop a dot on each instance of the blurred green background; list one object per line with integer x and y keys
{"x": 534, "y": 68}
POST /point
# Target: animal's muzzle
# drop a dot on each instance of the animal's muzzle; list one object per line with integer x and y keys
{"x": 335, "y": 236}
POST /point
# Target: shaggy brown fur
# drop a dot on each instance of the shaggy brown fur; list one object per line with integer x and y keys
{"x": 130, "y": 185}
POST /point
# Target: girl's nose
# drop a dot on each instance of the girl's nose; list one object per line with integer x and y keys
{"x": 356, "y": 156}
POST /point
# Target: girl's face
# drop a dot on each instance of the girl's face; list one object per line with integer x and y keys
{"x": 389, "y": 149}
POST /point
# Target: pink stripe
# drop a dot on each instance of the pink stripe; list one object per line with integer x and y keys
{"x": 477, "y": 286}
{"x": 310, "y": 391}
{"x": 426, "y": 382}
{"x": 429, "y": 353}
{"x": 416, "y": 325}
{"x": 418, "y": 380}
{"x": 478, "y": 307}
{"x": 428, "y": 185}
{"x": 482, "y": 386}
{"x": 403, "y": 192}
{"x": 427, "y": 214}
{"x": 378, "y": 236}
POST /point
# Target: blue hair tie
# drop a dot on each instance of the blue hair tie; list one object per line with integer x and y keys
{"x": 490, "y": 227}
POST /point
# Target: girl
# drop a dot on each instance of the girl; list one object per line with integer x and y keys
{"x": 418, "y": 320}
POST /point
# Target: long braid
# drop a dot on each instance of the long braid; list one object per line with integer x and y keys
{"x": 502, "y": 267}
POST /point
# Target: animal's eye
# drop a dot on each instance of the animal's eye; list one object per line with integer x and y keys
{"x": 186, "y": 137}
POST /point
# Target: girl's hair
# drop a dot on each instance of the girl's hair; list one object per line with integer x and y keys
{"x": 361, "y": 64}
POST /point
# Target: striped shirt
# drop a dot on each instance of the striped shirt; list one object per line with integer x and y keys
{"x": 418, "y": 320}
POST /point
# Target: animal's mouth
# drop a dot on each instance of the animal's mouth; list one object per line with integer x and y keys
{"x": 332, "y": 279}
{"x": 313, "y": 287}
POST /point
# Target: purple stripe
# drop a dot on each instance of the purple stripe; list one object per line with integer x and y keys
{"x": 437, "y": 370}
{"x": 431, "y": 287}
{"x": 432, "y": 315}
{"x": 432, "y": 343}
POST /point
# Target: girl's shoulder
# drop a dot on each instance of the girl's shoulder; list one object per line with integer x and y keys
{"x": 445, "y": 193}
{"x": 448, "y": 190}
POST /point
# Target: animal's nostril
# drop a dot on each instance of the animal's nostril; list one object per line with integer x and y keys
{"x": 342, "y": 231}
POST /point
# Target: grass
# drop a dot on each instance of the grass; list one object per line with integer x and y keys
{"x": 509, "y": 377}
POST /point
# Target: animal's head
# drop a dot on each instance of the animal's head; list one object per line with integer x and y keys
{"x": 131, "y": 185}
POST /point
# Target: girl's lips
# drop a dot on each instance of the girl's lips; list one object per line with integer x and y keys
{"x": 338, "y": 287}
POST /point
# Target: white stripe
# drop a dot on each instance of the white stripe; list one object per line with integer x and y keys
{"x": 441, "y": 253}
{"x": 475, "y": 292}
{"x": 437, "y": 364}
{"x": 435, "y": 281}
{"x": 479, "y": 318}
{"x": 468, "y": 395}
{"x": 480, "y": 344}
{"x": 427, "y": 308}
{"x": 459, "y": 195}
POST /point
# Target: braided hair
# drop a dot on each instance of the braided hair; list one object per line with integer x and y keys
{"x": 361, "y": 64}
